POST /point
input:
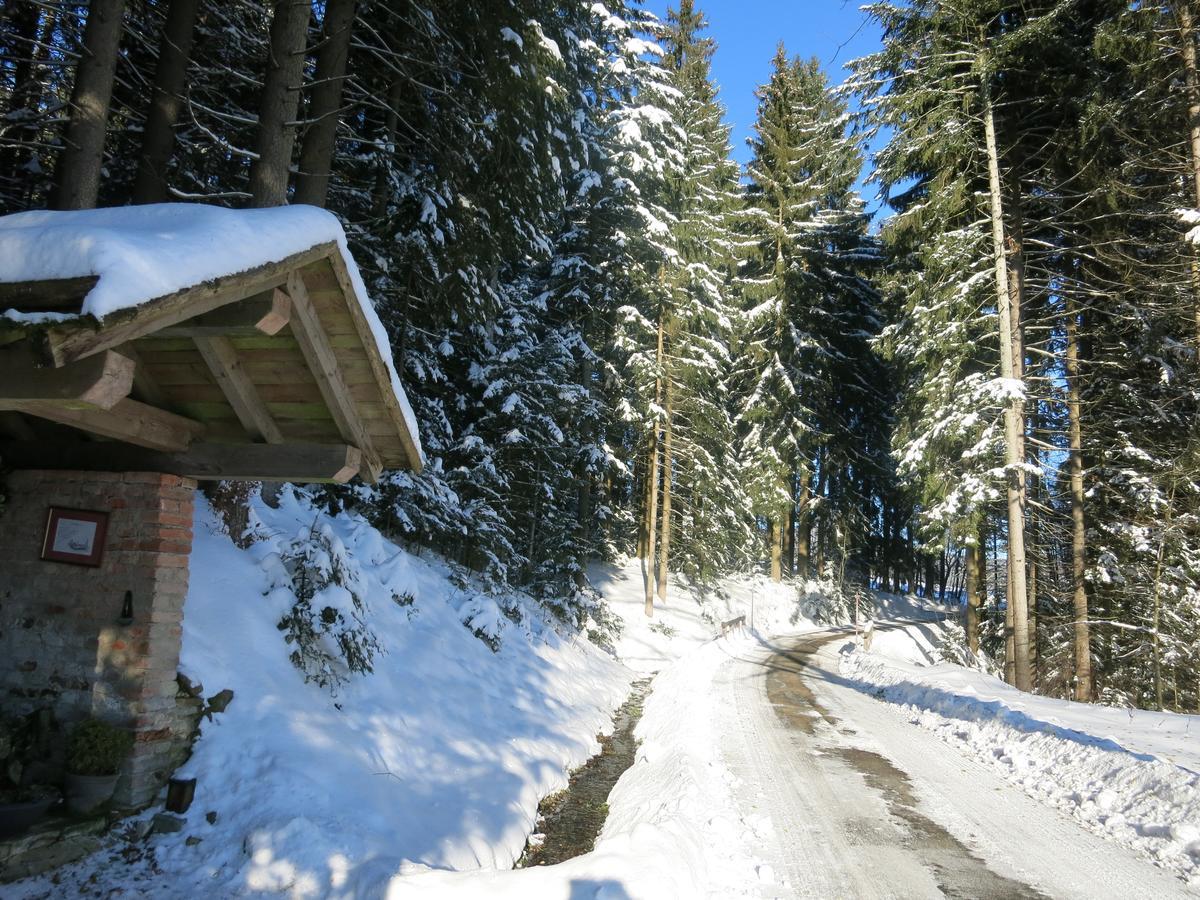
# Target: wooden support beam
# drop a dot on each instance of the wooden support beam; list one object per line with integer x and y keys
{"x": 99, "y": 381}
{"x": 206, "y": 462}
{"x": 263, "y": 314}
{"x": 378, "y": 365}
{"x": 128, "y": 420}
{"x": 145, "y": 388}
{"x": 239, "y": 390}
{"x": 76, "y": 339}
{"x": 314, "y": 345}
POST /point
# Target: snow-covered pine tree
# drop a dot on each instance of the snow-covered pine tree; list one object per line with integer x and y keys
{"x": 811, "y": 384}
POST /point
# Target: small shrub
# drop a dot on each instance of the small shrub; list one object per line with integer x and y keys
{"x": 662, "y": 628}
{"x": 326, "y": 626}
{"x": 97, "y": 748}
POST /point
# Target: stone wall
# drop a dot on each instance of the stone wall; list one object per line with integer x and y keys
{"x": 61, "y": 644}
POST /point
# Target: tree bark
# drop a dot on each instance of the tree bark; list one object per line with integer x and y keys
{"x": 652, "y": 482}
{"x": 1013, "y": 427}
{"x": 775, "y": 539}
{"x": 802, "y": 528}
{"x": 664, "y": 542}
{"x": 320, "y": 138}
{"x": 1083, "y": 643}
{"x": 381, "y": 192}
{"x": 974, "y": 593}
{"x": 82, "y": 158}
{"x": 170, "y": 78}
{"x": 279, "y": 102}
{"x": 1187, "y": 44}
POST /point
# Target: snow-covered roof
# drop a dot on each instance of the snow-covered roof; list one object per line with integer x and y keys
{"x": 140, "y": 256}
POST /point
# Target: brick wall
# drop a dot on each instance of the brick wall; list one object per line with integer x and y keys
{"x": 61, "y": 644}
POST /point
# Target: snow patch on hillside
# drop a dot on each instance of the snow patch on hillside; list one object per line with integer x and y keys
{"x": 1132, "y": 776}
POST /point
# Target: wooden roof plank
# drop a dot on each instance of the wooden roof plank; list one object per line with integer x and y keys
{"x": 69, "y": 341}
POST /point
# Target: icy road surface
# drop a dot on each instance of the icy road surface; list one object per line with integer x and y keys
{"x": 850, "y": 801}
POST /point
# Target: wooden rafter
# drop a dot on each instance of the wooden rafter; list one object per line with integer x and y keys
{"x": 244, "y": 462}
{"x": 54, "y": 295}
{"x": 239, "y": 390}
{"x": 378, "y": 367}
{"x": 314, "y": 345}
{"x": 99, "y": 381}
{"x": 69, "y": 341}
{"x": 145, "y": 387}
{"x": 127, "y": 420}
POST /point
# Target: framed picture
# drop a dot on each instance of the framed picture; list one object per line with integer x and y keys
{"x": 75, "y": 536}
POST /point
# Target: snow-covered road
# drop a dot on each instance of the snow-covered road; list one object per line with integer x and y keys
{"x": 849, "y": 800}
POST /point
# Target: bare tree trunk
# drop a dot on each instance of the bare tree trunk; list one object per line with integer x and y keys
{"x": 803, "y": 526}
{"x": 279, "y": 101}
{"x": 78, "y": 175}
{"x": 1013, "y": 425}
{"x": 586, "y": 485}
{"x": 320, "y": 139}
{"x": 974, "y": 594}
{"x": 170, "y": 78}
{"x": 1187, "y": 42}
{"x": 789, "y": 530}
{"x": 391, "y": 124}
{"x": 664, "y": 543}
{"x": 652, "y": 482}
{"x": 775, "y": 538}
{"x": 1083, "y": 643}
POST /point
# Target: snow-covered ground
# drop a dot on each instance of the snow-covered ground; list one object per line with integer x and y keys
{"x": 423, "y": 777}
{"x": 1132, "y": 776}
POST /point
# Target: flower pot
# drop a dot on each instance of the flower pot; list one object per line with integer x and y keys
{"x": 85, "y": 792}
{"x": 17, "y": 818}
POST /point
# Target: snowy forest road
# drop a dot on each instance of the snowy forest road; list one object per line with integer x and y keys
{"x": 849, "y": 800}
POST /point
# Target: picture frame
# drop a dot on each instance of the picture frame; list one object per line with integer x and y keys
{"x": 75, "y": 536}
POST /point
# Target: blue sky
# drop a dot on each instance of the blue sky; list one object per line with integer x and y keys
{"x": 747, "y": 31}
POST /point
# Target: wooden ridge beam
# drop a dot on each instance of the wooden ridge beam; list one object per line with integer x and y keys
{"x": 263, "y": 314}
{"x": 239, "y": 390}
{"x": 127, "y": 420}
{"x": 68, "y": 341}
{"x": 299, "y": 462}
{"x": 314, "y": 345}
{"x": 99, "y": 381}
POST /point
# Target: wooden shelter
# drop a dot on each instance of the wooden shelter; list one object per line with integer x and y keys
{"x": 273, "y": 374}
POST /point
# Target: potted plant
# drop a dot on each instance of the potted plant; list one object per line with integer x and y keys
{"x": 95, "y": 751}
{"x": 23, "y": 802}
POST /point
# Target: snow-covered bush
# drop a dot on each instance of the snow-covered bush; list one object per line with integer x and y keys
{"x": 326, "y": 625}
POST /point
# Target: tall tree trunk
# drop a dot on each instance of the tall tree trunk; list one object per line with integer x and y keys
{"x": 279, "y": 101}
{"x": 974, "y": 553}
{"x": 586, "y": 482}
{"x": 320, "y": 138}
{"x": 1083, "y": 642}
{"x": 381, "y": 192}
{"x": 803, "y": 526}
{"x": 170, "y": 77}
{"x": 789, "y": 530}
{"x": 664, "y": 542}
{"x": 648, "y": 564}
{"x": 1013, "y": 425}
{"x": 775, "y": 539}
{"x": 78, "y": 174}
{"x": 1187, "y": 42}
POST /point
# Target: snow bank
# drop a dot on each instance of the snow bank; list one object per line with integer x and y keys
{"x": 438, "y": 758}
{"x": 672, "y": 829}
{"x": 1132, "y": 776}
{"x": 140, "y": 253}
